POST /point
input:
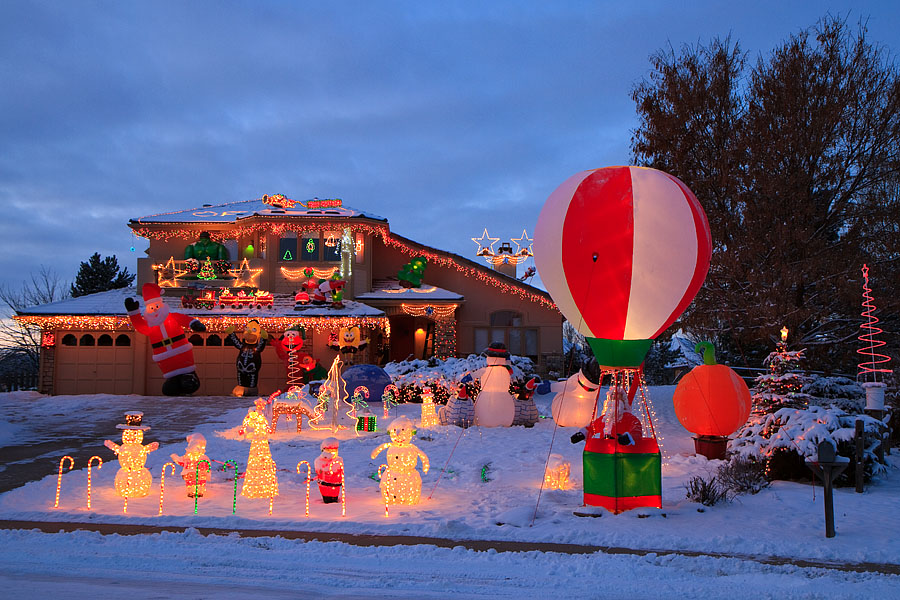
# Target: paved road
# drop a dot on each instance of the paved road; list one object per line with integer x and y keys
{"x": 49, "y": 427}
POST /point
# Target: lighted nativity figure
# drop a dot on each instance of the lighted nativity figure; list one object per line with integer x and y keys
{"x": 615, "y": 422}
{"x": 400, "y": 482}
{"x": 260, "y": 480}
{"x": 133, "y": 479}
{"x": 194, "y": 465}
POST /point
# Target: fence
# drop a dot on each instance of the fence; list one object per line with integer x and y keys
{"x": 18, "y": 381}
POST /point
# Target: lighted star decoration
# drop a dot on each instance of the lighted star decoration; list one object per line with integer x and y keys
{"x": 167, "y": 273}
{"x": 245, "y": 276}
{"x": 524, "y": 244}
{"x": 485, "y": 249}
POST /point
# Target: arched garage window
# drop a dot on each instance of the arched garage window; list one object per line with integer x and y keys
{"x": 105, "y": 340}
{"x": 86, "y": 340}
{"x": 123, "y": 340}
{"x": 69, "y": 340}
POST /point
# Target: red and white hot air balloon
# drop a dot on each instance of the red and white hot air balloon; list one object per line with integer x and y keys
{"x": 622, "y": 251}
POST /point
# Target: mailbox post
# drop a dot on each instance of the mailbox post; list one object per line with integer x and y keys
{"x": 828, "y": 467}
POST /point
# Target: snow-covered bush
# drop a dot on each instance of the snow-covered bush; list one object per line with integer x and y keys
{"x": 707, "y": 492}
{"x": 743, "y": 475}
{"x": 789, "y": 436}
{"x": 444, "y": 375}
{"x": 841, "y": 392}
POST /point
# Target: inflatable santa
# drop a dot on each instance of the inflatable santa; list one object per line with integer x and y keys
{"x": 172, "y": 351}
{"x": 615, "y": 422}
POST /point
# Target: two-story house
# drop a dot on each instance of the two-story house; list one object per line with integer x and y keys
{"x": 261, "y": 259}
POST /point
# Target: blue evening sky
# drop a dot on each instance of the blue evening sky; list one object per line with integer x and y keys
{"x": 444, "y": 117}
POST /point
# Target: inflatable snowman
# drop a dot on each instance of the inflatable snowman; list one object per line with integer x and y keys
{"x": 574, "y": 403}
{"x": 495, "y": 406}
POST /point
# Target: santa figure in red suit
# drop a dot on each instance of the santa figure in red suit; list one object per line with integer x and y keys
{"x": 330, "y": 471}
{"x": 172, "y": 351}
{"x": 615, "y": 422}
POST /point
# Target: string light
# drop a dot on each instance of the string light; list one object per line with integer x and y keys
{"x": 327, "y": 203}
{"x": 197, "y": 493}
{"x": 390, "y": 398}
{"x": 132, "y": 479}
{"x": 260, "y": 479}
{"x": 308, "y": 273}
{"x": 400, "y": 481}
{"x": 59, "y": 479}
{"x": 429, "y": 310}
{"x": 556, "y": 476}
{"x": 332, "y": 398}
{"x": 233, "y": 465}
{"x": 278, "y": 201}
{"x": 871, "y": 330}
{"x": 485, "y": 249}
{"x": 162, "y": 483}
{"x": 99, "y": 466}
{"x": 308, "y": 479}
{"x": 217, "y": 325}
{"x": 48, "y": 339}
{"x": 429, "y": 417}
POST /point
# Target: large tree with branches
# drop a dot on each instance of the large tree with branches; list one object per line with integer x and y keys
{"x": 796, "y": 159}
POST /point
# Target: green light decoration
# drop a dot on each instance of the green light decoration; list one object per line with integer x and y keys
{"x": 233, "y": 465}
{"x": 310, "y": 245}
{"x": 484, "y": 473}
{"x": 287, "y": 255}
{"x": 197, "y": 481}
{"x": 248, "y": 251}
{"x": 206, "y": 271}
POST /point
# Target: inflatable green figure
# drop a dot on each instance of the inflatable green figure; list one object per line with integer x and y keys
{"x": 206, "y": 248}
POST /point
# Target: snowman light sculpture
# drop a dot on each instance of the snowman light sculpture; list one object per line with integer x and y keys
{"x": 133, "y": 478}
{"x": 400, "y": 482}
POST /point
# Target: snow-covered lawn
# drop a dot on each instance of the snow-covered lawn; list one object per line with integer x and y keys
{"x": 784, "y": 520}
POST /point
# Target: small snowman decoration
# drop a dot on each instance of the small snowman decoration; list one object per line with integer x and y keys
{"x": 133, "y": 479}
{"x": 495, "y": 406}
{"x": 401, "y": 482}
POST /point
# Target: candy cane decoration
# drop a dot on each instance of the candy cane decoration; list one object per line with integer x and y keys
{"x": 233, "y": 465}
{"x": 381, "y": 470}
{"x": 343, "y": 496}
{"x": 308, "y": 479}
{"x": 99, "y": 465}
{"x": 162, "y": 483}
{"x": 389, "y": 397}
{"x": 271, "y": 501}
{"x": 59, "y": 479}
{"x": 197, "y": 482}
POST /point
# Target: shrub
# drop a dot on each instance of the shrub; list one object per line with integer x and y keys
{"x": 743, "y": 475}
{"x": 707, "y": 492}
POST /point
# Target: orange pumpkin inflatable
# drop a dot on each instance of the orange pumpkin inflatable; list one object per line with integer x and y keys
{"x": 712, "y": 400}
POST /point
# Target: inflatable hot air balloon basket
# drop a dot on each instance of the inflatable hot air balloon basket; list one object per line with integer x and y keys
{"x": 621, "y": 477}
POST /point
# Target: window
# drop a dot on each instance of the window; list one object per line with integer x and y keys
{"x": 506, "y": 327}
{"x": 69, "y": 340}
{"x": 287, "y": 247}
{"x": 105, "y": 340}
{"x": 310, "y": 243}
{"x": 196, "y": 340}
{"x": 123, "y": 340}
{"x": 332, "y": 246}
{"x": 86, "y": 340}
{"x": 214, "y": 340}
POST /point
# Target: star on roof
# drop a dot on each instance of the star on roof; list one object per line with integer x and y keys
{"x": 485, "y": 250}
{"x": 245, "y": 276}
{"x": 524, "y": 248}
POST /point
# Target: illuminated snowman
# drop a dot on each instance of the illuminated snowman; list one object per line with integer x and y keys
{"x": 133, "y": 479}
{"x": 400, "y": 482}
{"x": 495, "y": 406}
{"x": 574, "y": 403}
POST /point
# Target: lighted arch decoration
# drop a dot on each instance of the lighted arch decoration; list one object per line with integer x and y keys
{"x": 444, "y": 325}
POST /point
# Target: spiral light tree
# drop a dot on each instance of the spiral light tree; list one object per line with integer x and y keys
{"x": 870, "y": 370}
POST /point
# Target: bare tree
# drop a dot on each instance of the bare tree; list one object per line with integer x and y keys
{"x": 797, "y": 162}
{"x": 22, "y": 341}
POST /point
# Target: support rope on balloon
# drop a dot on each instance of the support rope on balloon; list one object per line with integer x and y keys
{"x": 462, "y": 430}
{"x": 59, "y": 478}
{"x": 565, "y": 389}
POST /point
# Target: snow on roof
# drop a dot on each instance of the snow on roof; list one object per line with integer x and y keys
{"x": 112, "y": 302}
{"x": 233, "y": 212}
{"x": 389, "y": 289}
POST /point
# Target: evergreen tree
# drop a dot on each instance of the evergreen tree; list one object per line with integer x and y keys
{"x": 780, "y": 388}
{"x": 99, "y": 275}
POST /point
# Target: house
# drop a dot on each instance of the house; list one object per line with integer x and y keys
{"x": 229, "y": 263}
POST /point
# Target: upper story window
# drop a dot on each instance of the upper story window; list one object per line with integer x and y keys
{"x": 314, "y": 246}
{"x": 506, "y": 326}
